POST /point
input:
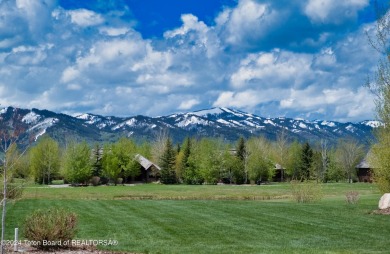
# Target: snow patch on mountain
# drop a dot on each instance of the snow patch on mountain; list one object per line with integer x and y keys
{"x": 192, "y": 120}
{"x": 268, "y": 121}
{"x": 131, "y": 122}
{"x": 233, "y": 112}
{"x": 43, "y": 126}
{"x": 224, "y": 122}
{"x": 83, "y": 116}
{"x": 372, "y": 124}
{"x": 350, "y": 128}
{"x": 31, "y": 118}
{"x": 302, "y": 125}
{"x": 249, "y": 123}
{"x": 116, "y": 127}
{"x": 3, "y": 110}
{"x": 89, "y": 119}
{"x": 330, "y": 124}
{"x": 205, "y": 112}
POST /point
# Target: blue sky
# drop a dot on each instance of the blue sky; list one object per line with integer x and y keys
{"x": 293, "y": 58}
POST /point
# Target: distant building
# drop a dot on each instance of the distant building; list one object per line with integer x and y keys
{"x": 149, "y": 170}
{"x": 279, "y": 173}
{"x": 363, "y": 171}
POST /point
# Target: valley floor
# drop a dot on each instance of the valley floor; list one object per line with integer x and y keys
{"x": 216, "y": 219}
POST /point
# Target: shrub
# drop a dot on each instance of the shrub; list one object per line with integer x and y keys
{"x": 305, "y": 192}
{"x": 57, "y": 182}
{"x": 54, "y": 225}
{"x": 95, "y": 180}
{"x": 14, "y": 191}
{"x": 352, "y": 197}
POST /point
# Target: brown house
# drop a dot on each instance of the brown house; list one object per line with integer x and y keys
{"x": 279, "y": 173}
{"x": 363, "y": 171}
{"x": 149, "y": 170}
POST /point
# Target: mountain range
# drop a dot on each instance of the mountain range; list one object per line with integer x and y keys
{"x": 228, "y": 124}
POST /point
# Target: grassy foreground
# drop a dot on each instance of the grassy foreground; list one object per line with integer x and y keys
{"x": 189, "y": 223}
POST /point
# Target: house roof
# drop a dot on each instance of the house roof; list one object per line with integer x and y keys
{"x": 278, "y": 166}
{"x": 363, "y": 164}
{"x": 145, "y": 163}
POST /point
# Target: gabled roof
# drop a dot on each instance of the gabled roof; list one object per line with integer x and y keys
{"x": 363, "y": 164}
{"x": 145, "y": 163}
{"x": 278, "y": 166}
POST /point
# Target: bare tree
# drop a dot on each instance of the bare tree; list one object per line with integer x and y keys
{"x": 9, "y": 135}
{"x": 282, "y": 150}
{"x": 349, "y": 153}
{"x": 159, "y": 142}
{"x": 324, "y": 158}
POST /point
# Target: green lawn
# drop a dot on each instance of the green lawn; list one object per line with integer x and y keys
{"x": 189, "y": 192}
{"x": 195, "y": 220}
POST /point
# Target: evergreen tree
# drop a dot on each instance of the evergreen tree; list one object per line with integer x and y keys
{"x": 242, "y": 154}
{"x": 168, "y": 173}
{"x": 97, "y": 166}
{"x": 241, "y": 149}
{"x": 306, "y": 161}
{"x": 186, "y": 151}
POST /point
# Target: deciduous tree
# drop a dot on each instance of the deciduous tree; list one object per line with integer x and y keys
{"x": 260, "y": 165}
{"x": 281, "y": 149}
{"x": 349, "y": 154}
{"x": 45, "y": 160}
{"x": 182, "y": 162}
{"x": 380, "y": 86}
{"x": 77, "y": 166}
{"x": 294, "y": 161}
{"x": 119, "y": 160}
{"x": 9, "y": 135}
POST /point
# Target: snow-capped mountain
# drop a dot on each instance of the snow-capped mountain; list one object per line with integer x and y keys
{"x": 225, "y": 123}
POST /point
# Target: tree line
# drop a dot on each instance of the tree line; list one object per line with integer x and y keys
{"x": 195, "y": 161}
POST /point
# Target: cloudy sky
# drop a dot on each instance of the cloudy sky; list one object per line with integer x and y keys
{"x": 293, "y": 58}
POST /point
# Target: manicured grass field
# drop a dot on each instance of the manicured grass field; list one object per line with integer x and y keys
{"x": 194, "y": 219}
{"x": 189, "y": 192}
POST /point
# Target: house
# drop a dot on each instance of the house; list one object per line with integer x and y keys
{"x": 279, "y": 173}
{"x": 149, "y": 170}
{"x": 363, "y": 171}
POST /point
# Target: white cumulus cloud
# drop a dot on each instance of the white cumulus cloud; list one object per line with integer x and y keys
{"x": 333, "y": 11}
{"x": 188, "y": 104}
{"x": 83, "y": 17}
